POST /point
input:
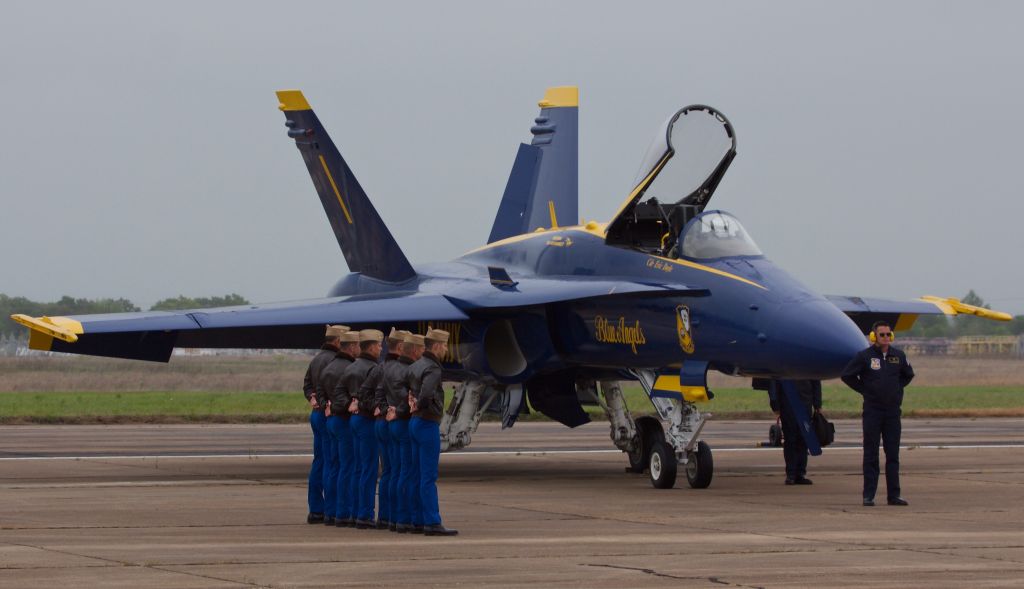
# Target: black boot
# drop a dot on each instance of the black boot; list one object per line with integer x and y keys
{"x": 315, "y": 518}
{"x": 328, "y": 521}
{"x": 416, "y": 529}
{"x": 439, "y": 530}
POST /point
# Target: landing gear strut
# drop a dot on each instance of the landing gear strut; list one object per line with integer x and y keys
{"x": 672, "y": 439}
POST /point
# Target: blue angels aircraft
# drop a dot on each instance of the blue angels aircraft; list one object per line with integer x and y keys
{"x": 550, "y": 311}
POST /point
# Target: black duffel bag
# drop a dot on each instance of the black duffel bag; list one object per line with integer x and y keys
{"x": 824, "y": 429}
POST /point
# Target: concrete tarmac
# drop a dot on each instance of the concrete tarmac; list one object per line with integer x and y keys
{"x": 540, "y": 505}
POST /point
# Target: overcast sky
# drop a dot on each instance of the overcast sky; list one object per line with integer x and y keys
{"x": 143, "y": 155}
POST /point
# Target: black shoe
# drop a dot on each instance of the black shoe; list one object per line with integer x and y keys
{"x": 897, "y": 501}
{"x": 402, "y": 528}
{"x": 803, "y": 481}
{"x": 344, "y": 522}
{"x": 315, "y": 518}
{"x": 393, "y": 527}
{"x": 416, "y": 530}
{"x": 362, "y": 524}
{"x": 790, "y": 481}
{"x": 383, "y": 524}
{"x": 328, "y": 521}
{"x": 439, "y": 530}
{"x": 869, "y": 502}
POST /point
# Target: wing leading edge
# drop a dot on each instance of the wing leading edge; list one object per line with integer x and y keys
{"x": 902, "y": 314}
{"x": 296, "y": 325}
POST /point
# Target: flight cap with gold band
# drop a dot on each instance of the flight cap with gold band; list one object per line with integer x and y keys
{"x": 336, "y": 330}
{"x": 349, "y": 337}
{"x": 414, "y": 339}
{"x": 371, "y": 335}
{"x": 437, "y": 336}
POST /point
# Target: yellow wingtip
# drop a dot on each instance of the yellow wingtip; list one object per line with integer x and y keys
{"x": 560, "y": 96}
{"x": 292, "y": 100}
{"x": 62, "y": 328}
{"x": 953, "y": 306}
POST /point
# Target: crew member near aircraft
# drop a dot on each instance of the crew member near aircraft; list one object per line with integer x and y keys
{"x": 388, "y": 465}
{"x": 426, "y": 401}
{"x": 359, "y": 385}
{"x": 794, "y": 449}
{"x": 880, "y": 373}
{"x": 407, "y": 512}
{"x": 317, "y": 400}
{"x": 337, "y": 494}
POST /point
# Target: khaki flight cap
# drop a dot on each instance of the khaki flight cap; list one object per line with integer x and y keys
{"x": 336, "y": 330}
{"x": 414, "y": 339}
{"x": 396, "y": 336}
{"x": 371, "y": 335}
{"x": 350, "y": 337}
{"x": 437, "y": 336}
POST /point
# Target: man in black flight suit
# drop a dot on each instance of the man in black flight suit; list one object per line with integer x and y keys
{"x": 879, "y": 373}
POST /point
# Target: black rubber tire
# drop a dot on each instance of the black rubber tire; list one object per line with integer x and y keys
{"x": 775, "y": 435}
{"x": 700, "y": 467}
{"x": 638, "y": 459}
{"x": 661, "y": 460}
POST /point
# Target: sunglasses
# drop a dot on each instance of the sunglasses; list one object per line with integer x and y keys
{"x": 883, "y": 334}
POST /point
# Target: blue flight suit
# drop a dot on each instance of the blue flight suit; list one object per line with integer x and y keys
{"x": 880, "y": 378}
{"x": 402, "y": 487}
{"x": 339, "y": 466}
{"x": 794, "y": 449}
{"x": 360, "y": 382}
{"x": 385, "y": 502}
{"x": 425, "y": 431}
{"x": 318, "y": 423}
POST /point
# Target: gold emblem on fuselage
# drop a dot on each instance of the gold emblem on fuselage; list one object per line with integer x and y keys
{"x": 684, "y": 329}
{"x": 619, "y": 332}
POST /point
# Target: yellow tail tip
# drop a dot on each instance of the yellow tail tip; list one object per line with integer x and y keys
{"x": 560, "y": 96}
{"x": 292, "y": 100}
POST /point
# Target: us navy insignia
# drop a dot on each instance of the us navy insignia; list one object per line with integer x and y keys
{"x": 683, "y": 328}
{"x": 876, "y": 364}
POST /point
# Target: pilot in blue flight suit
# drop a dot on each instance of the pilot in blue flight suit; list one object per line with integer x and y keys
{"x": 360, "y": 384}
{"x": 426, "y": 400}
{"x": 405, "y": 482}
{"x": 879, "y": 373}
{"x": 336, "y": 496}
{"x": 794, "y": 449}
{"x": 388, "y": 465}
{"x": 322, "y": 448}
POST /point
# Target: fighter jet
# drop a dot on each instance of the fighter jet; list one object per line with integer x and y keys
{"x": 553, "y": 313}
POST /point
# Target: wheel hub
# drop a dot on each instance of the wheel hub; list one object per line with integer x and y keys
{"x": 655, "y": 466}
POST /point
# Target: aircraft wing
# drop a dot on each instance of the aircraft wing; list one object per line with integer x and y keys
{"x": 901, "y": 315}
{"x": 153, "y": 335}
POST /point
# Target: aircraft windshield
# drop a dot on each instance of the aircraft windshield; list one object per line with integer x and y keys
{"x": 716, "y": 234}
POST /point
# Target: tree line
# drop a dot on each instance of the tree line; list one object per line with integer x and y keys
{"x": 71, "y": 306}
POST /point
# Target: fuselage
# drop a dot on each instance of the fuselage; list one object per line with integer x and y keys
{"x": 757, "y": 320}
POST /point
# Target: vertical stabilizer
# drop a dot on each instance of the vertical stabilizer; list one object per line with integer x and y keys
{"x": 543, "y": 188}
{"x": 365, "y": 241}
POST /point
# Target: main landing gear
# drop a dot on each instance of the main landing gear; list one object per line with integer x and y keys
{"x": 659, "y": 445}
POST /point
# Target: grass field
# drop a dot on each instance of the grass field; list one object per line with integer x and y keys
{"x": 266, "y": 389}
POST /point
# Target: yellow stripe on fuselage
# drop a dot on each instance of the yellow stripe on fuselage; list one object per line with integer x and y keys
{"x": 337, "y": 193}
{"x": 598, "y": 230}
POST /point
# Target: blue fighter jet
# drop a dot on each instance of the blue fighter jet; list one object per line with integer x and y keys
{"x": 550, "y": 314}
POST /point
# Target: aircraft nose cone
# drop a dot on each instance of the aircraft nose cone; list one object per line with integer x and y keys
{"x": 815, "y": 340}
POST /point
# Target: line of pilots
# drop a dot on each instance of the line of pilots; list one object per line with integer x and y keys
{"x": 371, "y": 417}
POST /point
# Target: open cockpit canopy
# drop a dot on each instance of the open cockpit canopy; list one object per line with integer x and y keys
{"x": 684, "y": 164}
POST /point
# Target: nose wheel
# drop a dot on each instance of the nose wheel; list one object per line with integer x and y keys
{"x": 700, "y": 466}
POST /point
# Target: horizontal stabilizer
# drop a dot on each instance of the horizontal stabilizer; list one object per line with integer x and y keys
{"x": 295, "y": 325}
